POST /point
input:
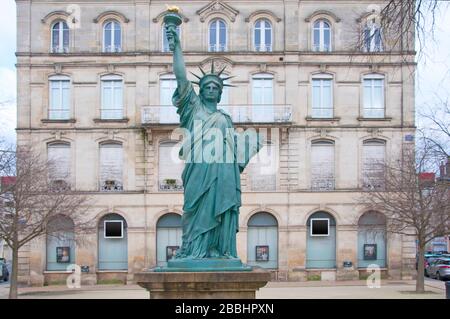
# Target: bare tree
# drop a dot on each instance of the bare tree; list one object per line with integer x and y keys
{"x": 415, "y": 205}
{"x": 436, "y": 128}
{"x": 31, "y": 203}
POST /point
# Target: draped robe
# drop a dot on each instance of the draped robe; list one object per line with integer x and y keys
{"x": 212, "y": 191}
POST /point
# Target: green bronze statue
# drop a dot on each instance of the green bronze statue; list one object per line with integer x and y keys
{"x": 212, "y": 189}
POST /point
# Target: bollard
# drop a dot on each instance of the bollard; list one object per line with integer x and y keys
{"x": 447, "y": 289}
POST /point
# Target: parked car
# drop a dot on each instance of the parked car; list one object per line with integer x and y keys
{"x": 428, "y": 261}
{"x": 439, "y": 269}
{"x": 4, "y": 272}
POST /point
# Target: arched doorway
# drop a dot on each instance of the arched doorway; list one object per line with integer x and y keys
{"x": 112, "y": 243}
{"x": 262, "y": 241}
{"x": 60, "y": 243}
{"x": 321, "y": 241}
{"x": 372, "y": 239}
{"x": 168, "y": 237}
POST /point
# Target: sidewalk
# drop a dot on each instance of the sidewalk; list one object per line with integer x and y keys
{"x": 273, "y": 290}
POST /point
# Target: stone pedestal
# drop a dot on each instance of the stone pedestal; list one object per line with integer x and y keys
{"x": 203, "y": 285}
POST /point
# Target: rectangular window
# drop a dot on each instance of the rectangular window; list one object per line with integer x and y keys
{"x": 113, "y": 229}
{"x": 373, "y": 98}
{"x": 320, "y": 227}
{"x": 322, "y": 98}
{"x": 262, "y": 99}
{"x": 170, "y": 168}
{"x": 111, "y": 167}
{"x": 59, "y": 100}
{"x": 112, "y": 99}
{"x": 322, "y": 166}
{"x": 168, "y": 112}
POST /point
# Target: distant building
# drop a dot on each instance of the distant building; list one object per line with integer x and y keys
{"x": 94, "y": 94}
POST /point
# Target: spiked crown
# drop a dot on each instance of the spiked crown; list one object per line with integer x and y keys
{"x": 211, "y": 77}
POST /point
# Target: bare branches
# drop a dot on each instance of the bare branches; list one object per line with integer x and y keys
{"x": 30, "y": 205}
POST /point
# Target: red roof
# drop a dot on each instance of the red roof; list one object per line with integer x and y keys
{"x": 427, "y": 176}
{"x": 8, "y": 180}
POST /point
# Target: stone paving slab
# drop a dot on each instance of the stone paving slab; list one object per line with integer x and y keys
{"x": 274, "y": 290}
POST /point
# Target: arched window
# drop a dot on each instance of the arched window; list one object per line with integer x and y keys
{"x": 112, "y": 37}
{"x": 217, "y": 36}
{"x": 321, "y": 241}
{"x": 168, "y": 237}
{"x": 111, "y": 167}
{"x": 112, "y": 243}
{"x": 170, "y": 167}
{"x": 60, "y": 37}
{"x": 322, "y": 96}
{"x": 372, "y": 239}
{"x": 373, "y": 96}
{"x": 112, "y": 97}
{"x": 165, "y": 43}
{"x": 373, "y": 160}
{"x": 262, "y": 241}
{"x": 372, "y": 37}
{"x": 322, "y": 165}
{"x": 167, "y": 86}
{"x": 59, "y": 96}
{"x": 263, "y": 35}
{"x": 322, "y": 36}
{"x": 60, "y": 243}
{"x": 262, "y": 98}
{"x": 59, "y": 158}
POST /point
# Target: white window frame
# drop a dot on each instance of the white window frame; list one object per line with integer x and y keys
{"x": 216, "y": 46}
{"x": 376, "y": 111}
{"x": 321, "y": 78}
{"x": 66, "y": 111}
{"x": 311, "y": 227}
{"x": 113, "y": 47}
{"x": 61, "y": 48}
{"x": 263, "y": 46}
{"x": 332, "y": 146}
{"x": 113, "y": 221}
{"x": 112, "y": 79}
{"x": 321, "y": 29}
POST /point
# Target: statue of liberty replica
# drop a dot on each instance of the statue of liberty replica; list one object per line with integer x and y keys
{"x": 212, "y": 185}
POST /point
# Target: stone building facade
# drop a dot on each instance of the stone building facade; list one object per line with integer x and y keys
{"x": 94, "y": 87}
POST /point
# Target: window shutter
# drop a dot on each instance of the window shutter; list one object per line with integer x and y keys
{"x": 170, "y": 167}
{"x": 373, "y": 161}
{"x": 322, "y": 166}
{"x": 111, "y": 164}
{"x": 59, "y": 156}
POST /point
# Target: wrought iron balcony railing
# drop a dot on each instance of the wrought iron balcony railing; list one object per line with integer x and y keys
{"x": 166, "y": 114}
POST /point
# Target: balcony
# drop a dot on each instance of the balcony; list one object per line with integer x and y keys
{"x": 242, "y": 114}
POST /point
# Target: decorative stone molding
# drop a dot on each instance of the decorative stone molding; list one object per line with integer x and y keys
{"x": 111, "y": 14}
{"x": 162, "y": 14}
{"x": 263, "y": 13}
{"x": 219, "y": 64}
{"x": 59, "y": 14}
{"x": 330, "y": 14}
{"x": 217, "y": 6}
{"x": 58, "y": 68}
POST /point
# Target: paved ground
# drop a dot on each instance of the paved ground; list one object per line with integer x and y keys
{"x": 274, "y": 290}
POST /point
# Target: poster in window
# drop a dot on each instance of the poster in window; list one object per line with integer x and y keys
{"x": 62, "y": 254}
{"x": 171, "y": 251}
{"x": 262, "y": 253}
{"x": 370, "y": 252}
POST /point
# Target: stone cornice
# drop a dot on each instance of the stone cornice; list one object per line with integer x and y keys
{"x": 113, "y": 14}
{"x": 217, "y": 6}
{"x": 263, "y": 12}
{"x": 324, "y": 13}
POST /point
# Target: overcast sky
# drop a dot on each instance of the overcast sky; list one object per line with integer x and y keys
{"x": 433, "y": 75}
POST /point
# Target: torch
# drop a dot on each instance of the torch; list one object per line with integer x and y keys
{"x": 172, "y": 20}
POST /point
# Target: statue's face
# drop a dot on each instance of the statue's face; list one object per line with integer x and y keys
{"x": 211, "y": 92}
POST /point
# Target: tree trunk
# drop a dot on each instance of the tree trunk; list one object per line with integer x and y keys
{"x": 14, "y": 273}
{"x": 420, "y": 281}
